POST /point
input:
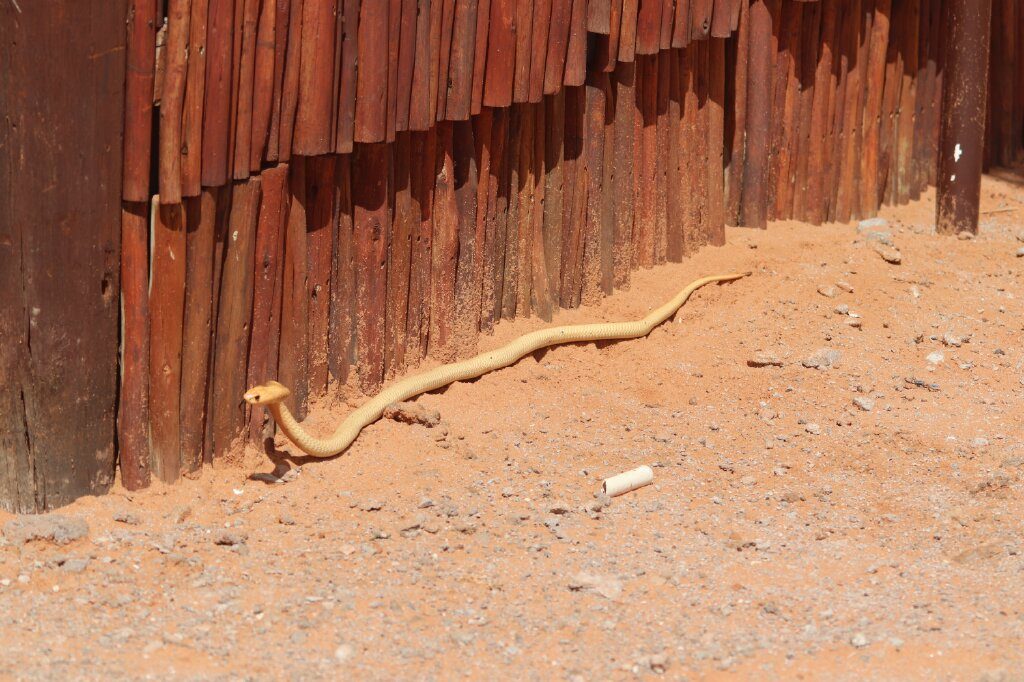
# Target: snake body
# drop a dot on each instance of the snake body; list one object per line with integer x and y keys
{"x": 272, "y": 394}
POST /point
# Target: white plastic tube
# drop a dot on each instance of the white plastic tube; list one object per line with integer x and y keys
{"x": 628, "y": 481}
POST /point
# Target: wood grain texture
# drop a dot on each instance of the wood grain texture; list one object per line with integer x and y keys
{"x": 59, "y": 257}
{"x": 372, "y": 73}
{"x": 370, "y": 215}
{"x": 167, "y": 306}
{"x": 266, "y": 305}
{"x": 234, "y": 318}
{"x": 200, "y": 221}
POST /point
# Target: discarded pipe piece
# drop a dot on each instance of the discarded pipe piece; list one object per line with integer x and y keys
{"x": 628, "y": 482}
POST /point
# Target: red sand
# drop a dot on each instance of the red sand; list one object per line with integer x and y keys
{"x": 789, "y": 532}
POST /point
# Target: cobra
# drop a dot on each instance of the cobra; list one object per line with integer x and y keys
{"x": 272, "y": 394}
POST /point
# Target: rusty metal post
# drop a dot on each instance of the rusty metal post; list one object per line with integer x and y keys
{"x": 962, "y": 137}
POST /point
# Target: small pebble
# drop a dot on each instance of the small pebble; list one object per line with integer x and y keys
{"x": 859, "y": 640}
{"x": 864, "y": 403}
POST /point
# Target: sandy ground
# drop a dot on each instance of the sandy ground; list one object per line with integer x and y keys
{"x": 858, "y": 520}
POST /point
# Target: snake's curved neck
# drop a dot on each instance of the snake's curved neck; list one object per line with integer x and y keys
{"x": 293, "y": 429}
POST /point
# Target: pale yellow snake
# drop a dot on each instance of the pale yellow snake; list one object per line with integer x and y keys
{"x": 272, "y": 393}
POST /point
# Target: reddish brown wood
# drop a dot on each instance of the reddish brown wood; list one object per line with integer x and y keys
{"x": 700, "y": 18}
{"x": 524, "y": 50}
{"x": 441, "y": 46}
{"x": 293, "y": 358}
{"x": 681, "y": 24}
{"x": 622, "y": 158}
{"x": 716, "y": 142}
{"x": 459, "y": 100}
{"x": 403, "y": 226}
{"x": 736, "y": 117}
{"x": 269, "y": 251}
{"x": 422, "y": 178}
{"x": 576, "y": 52}
{"x": 138, "y": 98}
{"x": 599, "y": 16}
{"x": 510, "y": 272}
{"x": 627, "y": 30}
{"x": 319, "y": 260}
{"x": 548, "y": 236}
{"x": 465, "y": 325}
{"x": 436, "y": 38}
{"x": 406, "y": 63}
{"x": 290, "y": 84}
{"x": 494, "y": 228}
{"x": 544, "y": 289}
{"x": 316, "y": 77}
{"x": 172, "y": 100}
{"x": 483, "y": 21}
{"x": 201, "y": 221}
{"x": 166, "y": 305}
{"x": 244, "y": 76}
{"x": 62, "y": 100}
{"x": 192, "y": 108}
{"x": 612, "y": 43}
{"x": 527, "y": 184}
{"x": 788, "y": 124}
{"x": 558, "y": 43}
{"x": 675, "y": 191}
{"x": 281, "y": 27}
{"x": 234, "y": 319}
{"x": 372, "y": 74}
{"x": 263, "y": 83}
{"x": 648, "y": 26}
{"x": 668, "y": 10}
{"x": 593, "y": 234}
{"x": 539, "y": 50}
{"x": 574, "y": 198}
{"x": 805, "y": 114}
{"x": 370, "y": 215}
{"x": 344, "y": 133}
{"x": 722, "y": 20}
{"x": 419, "y": 104}
{"x": 754, "y": 203}
{"x": 643, "y": 230}
{"x": 133, "y": 406}
{"x": 444, "y": 249}
{"x": 820, "y": 113}
{"x": 907, "y": 106}
{"x": 217, "y": 106}
{"x": 661, "y": 162}
{"x": 394, "y": 46}
{"x": 342, "y": 334}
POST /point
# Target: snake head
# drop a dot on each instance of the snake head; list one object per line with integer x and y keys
{"x": 266, "y": 394}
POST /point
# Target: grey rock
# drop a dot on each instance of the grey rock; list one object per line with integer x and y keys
{"x": 828, "y": 291}
{"x": 127, "y": 517}
{"x": 872, "y": 224}
{"x": 890, "y": 254}
{"x": 606, "y": 586}
{"x": 865, "y": 403}
{"x": 822, "y": 359}
{"x": 1020, "y": 252}
{"x": 55, "y": 528}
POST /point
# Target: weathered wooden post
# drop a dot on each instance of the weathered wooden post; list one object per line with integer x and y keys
{"x": 754, "y": 199}
{"x": 962, "y": 136}
{"x": 62, "y": 89}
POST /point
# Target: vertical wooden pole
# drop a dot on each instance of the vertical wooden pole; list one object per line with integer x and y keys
{"x": 754, "y": 203}
{"x": 968, "y": 33}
